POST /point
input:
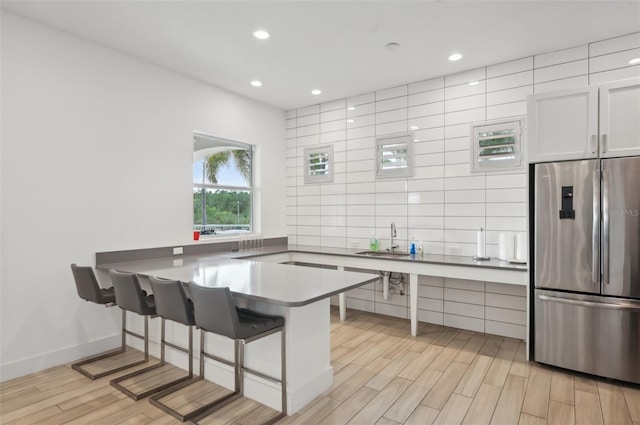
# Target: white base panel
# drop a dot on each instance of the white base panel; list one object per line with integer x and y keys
{"x": 308, "y": 345}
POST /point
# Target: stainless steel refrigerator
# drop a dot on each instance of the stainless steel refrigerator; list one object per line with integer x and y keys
{"x": 586, "y": 266}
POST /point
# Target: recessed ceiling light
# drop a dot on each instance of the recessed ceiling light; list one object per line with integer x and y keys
{"x": 474, "y": 83}
{"x": 350, "y": 121}
{"x": 261, "y": 34}
{"x": 634, "y": 61}
{"x": 414, "y": 127}
{"x": 350, "y": 108}
{"x": 256, "y": 83}
{"x": 455, "y": 57}
{"x": 392, "y": 46}
{"x": 316, "y": 92}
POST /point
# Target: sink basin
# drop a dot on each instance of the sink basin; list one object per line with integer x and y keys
{"x": 384, "y": 253}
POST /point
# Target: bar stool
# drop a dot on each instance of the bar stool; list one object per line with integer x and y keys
{"x": 172, "y": 304}
{"x": 215, "y": 312}
{"x": 89, "y": 290}
{"x": 131, "y": 297}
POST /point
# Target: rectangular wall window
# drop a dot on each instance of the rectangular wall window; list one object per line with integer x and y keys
{"x": 222, "y": 186}
{"x": 318, "y": 164}
{"x": 394, "y": 156}
{"x": 497, "y": 145}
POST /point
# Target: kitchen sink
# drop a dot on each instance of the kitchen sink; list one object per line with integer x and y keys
{"x": 384, "y": 253}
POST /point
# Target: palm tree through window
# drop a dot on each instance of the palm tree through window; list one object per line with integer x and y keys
{"x": 222, "y": 185}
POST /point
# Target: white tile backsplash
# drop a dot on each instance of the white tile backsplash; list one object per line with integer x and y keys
{"x": 432, "y": 96}
{"x": 616, "y": 44}
{"x": 615, "y": 74}
{"x": 559, "y": 72}
{"x": 463, "y": 90}
{"x": 334, "y": 105}
{"x": 516, "y": 94}
{"x": 390, "y": 116}
{"x": 331, "y": 126}
{"x": 391, "y": 104}
{"x": 564, "y": 84}
{"x": 391, "y": 128}
{"x": 465, "y": 77}
{"x": 462, "y": 103}
{"x": 360, "y": 110}
{"x": 510, "y": 81}
{"x": 443, "y": 203}
{"x": 426, "y": 110}
{"x": 613, "y": 60}
{"x": 427, "y": 85}
{"x": 511, "y": 67}
{"x": 333, "y": 115}
{"x": 361, "y": 121}
{"x": 309, "y": 110}
{"x": 561, "y": 56}
{"x": 391, "y": 93}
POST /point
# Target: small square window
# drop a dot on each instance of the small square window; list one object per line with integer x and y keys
{"x": 497, "y": 145}
{"x": 318, "y": 164}
{"x": 394, "y": 156}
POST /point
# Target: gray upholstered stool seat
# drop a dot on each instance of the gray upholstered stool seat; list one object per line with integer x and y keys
{"x": 89, "y": 290}
{"x": 172, "y": 304}
{"x": 252, "y": 323}
{"x": 216, "y": 312}
{"x": 131, "y": 297}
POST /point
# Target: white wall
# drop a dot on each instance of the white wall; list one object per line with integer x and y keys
{"x": 96, "y": 156}
{"x": 443, "y": 204}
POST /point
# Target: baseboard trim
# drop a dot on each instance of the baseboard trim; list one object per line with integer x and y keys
{"x": 23, "y": 367}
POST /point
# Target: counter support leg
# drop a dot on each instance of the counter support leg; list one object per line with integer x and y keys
{"x": 342, "y": 301}
{"x": 413, "y": 303}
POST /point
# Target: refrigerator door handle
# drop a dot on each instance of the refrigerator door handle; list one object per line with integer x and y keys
{"x": 587, "y": 303}
{"x": 595, "y": 229}
{"x": 605, "y": 227}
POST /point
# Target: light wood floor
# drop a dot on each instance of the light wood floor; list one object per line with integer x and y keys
{"x": 381, "y": 376}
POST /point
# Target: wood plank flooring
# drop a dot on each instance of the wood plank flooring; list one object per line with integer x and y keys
{"x": 382, "y": 376}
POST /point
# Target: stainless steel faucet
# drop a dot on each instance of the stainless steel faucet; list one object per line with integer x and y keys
{"x": 393, "y": 235}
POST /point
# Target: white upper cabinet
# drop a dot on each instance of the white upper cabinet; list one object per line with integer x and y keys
{"x": 620, "y": 118}
{"x": 563, "y": 125}
{"x": 590, "y": 122}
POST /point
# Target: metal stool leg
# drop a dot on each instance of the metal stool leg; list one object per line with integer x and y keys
{"x": 78, "y": 366}
{"x": 156, "y": 399}
{"x": 116, "y": 383}
{"x": 283, "y": 379}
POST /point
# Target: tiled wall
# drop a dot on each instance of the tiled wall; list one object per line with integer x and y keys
{"x": 443, "y": 203}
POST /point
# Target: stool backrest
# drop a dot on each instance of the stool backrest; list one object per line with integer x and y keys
{"x": 214, "y": 310}
{"x": 171, "y": 301}
{"x": 87, "y": 284}
{"x": 129, "y": 294}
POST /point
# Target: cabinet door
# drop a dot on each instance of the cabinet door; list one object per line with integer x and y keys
{"x": 563, "y": 125}
{"x": 620, "y": 118}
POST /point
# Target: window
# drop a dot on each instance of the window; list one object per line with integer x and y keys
{"x": 394, "y": 156}
{"x": 222, "y": 185}
{"x": 497, "y": 145}
{"x": 318, "y": 164}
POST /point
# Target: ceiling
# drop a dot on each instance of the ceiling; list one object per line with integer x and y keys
{"x": 336, "y": 46}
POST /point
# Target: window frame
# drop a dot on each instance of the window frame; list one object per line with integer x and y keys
{"x": 390, "y": 173}
{"x": 515, "y": 163}
{"x": 204, "y": 141}
{"x": 318, "y": 178}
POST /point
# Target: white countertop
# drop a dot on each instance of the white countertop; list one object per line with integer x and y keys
{"x": 275, "y": 283}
